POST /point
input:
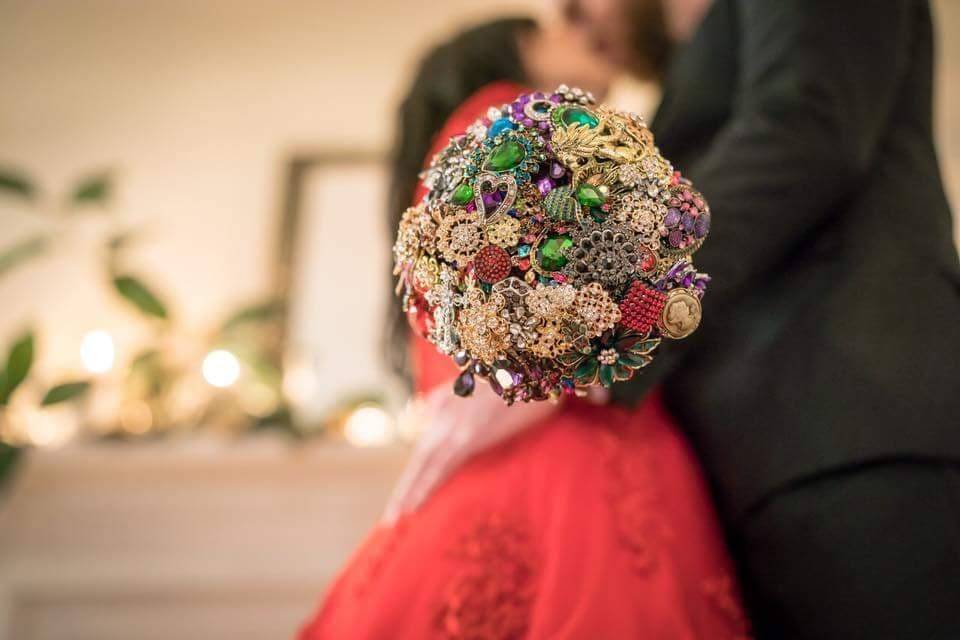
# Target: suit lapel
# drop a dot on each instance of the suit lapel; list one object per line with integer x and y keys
{"x": 700, "y": 86}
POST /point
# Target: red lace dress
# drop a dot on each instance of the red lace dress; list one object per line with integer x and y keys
{"x": 595, "y": 525}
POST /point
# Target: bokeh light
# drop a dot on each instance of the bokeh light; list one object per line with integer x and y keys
{"x": 221, "y": 368}
{"x": 97, "y": 351}
{"x": 369, "y": 426}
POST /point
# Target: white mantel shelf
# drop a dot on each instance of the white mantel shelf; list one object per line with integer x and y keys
{"x": 200, "y": 539}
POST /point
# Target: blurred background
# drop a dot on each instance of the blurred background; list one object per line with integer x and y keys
{"x": 197, "y": 423}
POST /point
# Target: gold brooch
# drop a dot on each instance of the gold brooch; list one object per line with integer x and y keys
{"x": 484, "y": 332}
{"x": 680, "y": 315}
{"x": 460, "y": 237}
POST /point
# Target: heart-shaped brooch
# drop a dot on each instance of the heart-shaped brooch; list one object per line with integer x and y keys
{"x": 489, "y": 183}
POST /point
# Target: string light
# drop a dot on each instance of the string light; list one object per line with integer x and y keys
{"x": 221, "y": 368}
{"x": 50, "y": 427}
{"x": 368, "y": 426}
{"x": 97, "y": 351}
{"x": 300, "y": 382}
{"x": 136, "y": 418}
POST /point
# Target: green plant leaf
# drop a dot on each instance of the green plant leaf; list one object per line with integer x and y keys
{"x": 16, "y": 184}
{"x": 122, "y": 240}
{"x": 267, "y": 371}
{"x": 95, "y": 189}
{"x": 136, "y": 292}
{"x": 259, "y": 312}
{"x": 148, "y": 359}
{"x": 8, "y": 462}
{"x": 64, "y": 392}
{"x": 19, "y": 362}
{"x": 149, "y": 369}
{"x": 23, "y": 251}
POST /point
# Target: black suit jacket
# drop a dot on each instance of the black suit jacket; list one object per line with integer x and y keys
{"x": 831, "y": 330}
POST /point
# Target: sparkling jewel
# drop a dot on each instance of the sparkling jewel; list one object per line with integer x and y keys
{"x": 545, "y": 186}
{"x": 630, "y": 175}
{"x": 425, "y": 273}
{"x": 538, "y": 109}
{"x": 459, "y": 237}
{"x": 550, "y": 302}
{"x": 648, "y": 260}
{"x": 672, "y": 219}
{"x": 608, "y": 356}
{"x": 580, "y": 116}
{"x": 504, "y": 377}
{"x": 521, "y": 263}
{"x": 590, "y": 196}
{"x": 464, "y": 385}
{"x": 507, "y": 155}
{"x": 495, "y": 195}
{"x": 595, "y": 309}
{"x": 702, "y": 226}
{"x": 462, "y": 194}
{"x": 483, "y": 330}
{"x": 551, "y": 252}
{"x": 492, "y": 264}
{"x": 444, "y": 298}
{"x": 640, "y": 309}
{"x": 491, "y": 200}
{"x": 499, "y": 126}
{"x": 504, "y": 231}
{"x": 608, "y": 254}
{"x": 561, "y": 205}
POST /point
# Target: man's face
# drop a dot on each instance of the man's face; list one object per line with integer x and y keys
{"x": 606, "y": 26}
{"x": 635, "y": 34}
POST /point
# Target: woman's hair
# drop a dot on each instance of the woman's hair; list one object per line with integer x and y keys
{"x": 649, "y": 39}
{"x": 446, "y": 77}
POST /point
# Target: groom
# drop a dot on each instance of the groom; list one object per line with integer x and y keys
{"x": 822, "y": 391}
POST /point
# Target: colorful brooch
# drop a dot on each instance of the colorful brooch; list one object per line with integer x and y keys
{"x": 553, "y": 249}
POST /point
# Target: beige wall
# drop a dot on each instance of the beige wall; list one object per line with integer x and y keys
{"x": 197, "y": 103}
{"x": 947, "y": 16}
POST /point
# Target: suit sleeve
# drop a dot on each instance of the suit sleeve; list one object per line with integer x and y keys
{"x": 817, "y": 82}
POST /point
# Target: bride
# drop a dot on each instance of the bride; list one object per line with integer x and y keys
{"x": 587, "y": 520}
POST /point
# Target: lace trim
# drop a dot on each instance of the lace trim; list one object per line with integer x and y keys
{"x": 721, "y": 592}
{"x": 490, "y": 595}
{"x": 635, "y": 503}
{"x": 374, "y": 555}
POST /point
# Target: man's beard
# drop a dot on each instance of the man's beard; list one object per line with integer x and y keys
{"x": 650, "y": 45}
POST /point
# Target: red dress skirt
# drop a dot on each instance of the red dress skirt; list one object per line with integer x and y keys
{"x": 594, "y": 525}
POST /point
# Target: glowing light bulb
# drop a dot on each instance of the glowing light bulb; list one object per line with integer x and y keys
{"x": 97, "y": 351}
{"x": 51, "y": 427}
{"x": 300, "y": 383}
{"x": 221, "y": 368}
{"x": 368, "y": 426}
